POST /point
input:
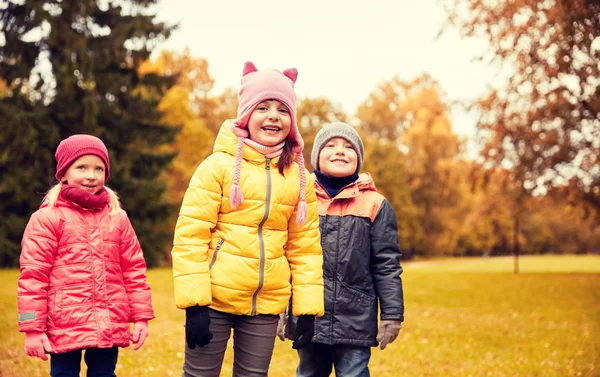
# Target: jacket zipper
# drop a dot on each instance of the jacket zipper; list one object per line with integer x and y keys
{"x": 261, "y": 271}
{"x": 337, "y": 252}
{"x": 217, "y": 248}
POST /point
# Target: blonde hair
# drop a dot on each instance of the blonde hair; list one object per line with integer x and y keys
{"x": 52, "y": 196}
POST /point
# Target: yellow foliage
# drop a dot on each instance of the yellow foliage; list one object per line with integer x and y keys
{"x": 194, "y": 141}
{"x": 312, "y": 114}
{"x": 3, "y": 88}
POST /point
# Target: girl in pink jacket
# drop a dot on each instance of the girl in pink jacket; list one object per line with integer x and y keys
{"x": 83, "y": 274}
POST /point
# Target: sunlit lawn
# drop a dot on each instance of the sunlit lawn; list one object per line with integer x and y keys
{"x": 464, "y": 317}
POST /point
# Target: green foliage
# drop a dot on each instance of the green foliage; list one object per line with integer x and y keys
{"x": 26, "y": 169}
{"x": 94, "y": 49}
{"x": 464, "y": 317}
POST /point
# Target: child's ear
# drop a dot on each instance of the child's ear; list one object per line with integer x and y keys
{"x": 291, "y": 73}
{"x": 248, "y": 68}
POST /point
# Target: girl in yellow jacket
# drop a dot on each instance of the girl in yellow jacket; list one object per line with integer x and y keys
{"x": 247, "y": 237}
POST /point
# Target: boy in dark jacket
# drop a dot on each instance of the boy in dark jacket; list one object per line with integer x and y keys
{"x": 361, "y": 267}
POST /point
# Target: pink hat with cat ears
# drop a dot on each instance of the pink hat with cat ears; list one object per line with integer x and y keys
{"x": 258, "y": 86}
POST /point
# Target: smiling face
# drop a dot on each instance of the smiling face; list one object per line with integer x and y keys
{"x": 87, "y": 173}
{"x": 269, "y": 123}
{"x": 338, "y": 158}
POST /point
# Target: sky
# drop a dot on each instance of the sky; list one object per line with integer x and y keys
{"x": 342, "y": 48}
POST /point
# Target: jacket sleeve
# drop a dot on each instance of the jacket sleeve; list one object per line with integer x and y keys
{"x": 38, "y": 247}
{"x": 305, "y": 256}
{"x": 133, "y": 267}
{"x": 197, "y": 217}
{"x": 385, "y": 263}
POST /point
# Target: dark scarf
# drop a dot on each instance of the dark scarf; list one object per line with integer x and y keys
{"x": 84, "y": 198}
{"x": 333, "y": 185}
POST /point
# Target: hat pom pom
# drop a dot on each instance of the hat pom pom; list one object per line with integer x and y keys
{"x": 302, "y": 213}
{"x": 235, "y": 196}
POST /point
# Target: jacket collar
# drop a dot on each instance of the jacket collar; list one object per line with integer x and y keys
{"x": 61, "y": 202}
{"x": 226, "y": 142}
{"x": 363, "y": 183}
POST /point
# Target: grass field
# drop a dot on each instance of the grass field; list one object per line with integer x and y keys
{"x": 464, "y": 317}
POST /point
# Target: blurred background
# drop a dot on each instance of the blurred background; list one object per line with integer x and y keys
{"x": 481, "y": 126}
{"x": 480, "y": 118}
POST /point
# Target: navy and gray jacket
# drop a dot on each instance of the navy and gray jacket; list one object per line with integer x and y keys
{"x": 361, "y": 264}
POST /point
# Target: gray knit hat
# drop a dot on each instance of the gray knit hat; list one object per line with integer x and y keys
{"x": 337, "y": 129}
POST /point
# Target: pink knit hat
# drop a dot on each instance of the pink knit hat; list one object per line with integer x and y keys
{"x": 73, "y": 147}
{"x": 258, "y": 86}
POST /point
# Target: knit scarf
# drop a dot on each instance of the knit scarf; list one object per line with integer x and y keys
{"x": 236, "y": 197}
{"x": 84, "y": 198}
{"x": 267, "y": 151}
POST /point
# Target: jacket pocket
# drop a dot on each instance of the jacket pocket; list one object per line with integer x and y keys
{"x": 355, "y": 305}
{"x": 356, "y": 295}
{"x": 217, "y": 248}
{"x": 356, "y": 313}
{"x": 55, "y": 308}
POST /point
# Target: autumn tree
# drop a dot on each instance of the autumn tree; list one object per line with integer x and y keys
{"x": 544, "y": 121}
{"x": 410, "y": 122}
{"x": 3, "y": 89}
{"x": 433, "y": 174}
{"x": 72, "y": 67}
{"x": 312, "y": 114}
{"x": 487, "y": 212}
{"x": 381, "y": 114}
{"x": 214, "y": 109}
{"x": 194, "y": 141}
{"x": 388, "y": 167}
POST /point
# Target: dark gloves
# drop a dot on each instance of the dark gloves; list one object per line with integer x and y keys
{"x": 197, "y": 321}
{"x": 305, "y": 330}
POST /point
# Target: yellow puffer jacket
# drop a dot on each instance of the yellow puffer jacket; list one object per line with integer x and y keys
{"x": 248, "y": 260}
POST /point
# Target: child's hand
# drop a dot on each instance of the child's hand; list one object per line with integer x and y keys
{"x": 139, "y": 334}
{"x": 197, "y": 326}
{"x": 305, "y": 330}
{"x": 37, "y": 344}
{"x": 388, "y": 332}
{"x": 281, "y": 326}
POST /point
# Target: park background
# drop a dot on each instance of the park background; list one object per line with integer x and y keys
{"x": 481, "y": 126}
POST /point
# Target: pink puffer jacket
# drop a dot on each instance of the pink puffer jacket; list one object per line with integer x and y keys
{"x": 83, "y": 277}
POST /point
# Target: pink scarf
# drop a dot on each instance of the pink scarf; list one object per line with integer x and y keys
{"x": 269, "y": 152}
{"x": 235, "y": 193}
{"x": 84, "y": 198}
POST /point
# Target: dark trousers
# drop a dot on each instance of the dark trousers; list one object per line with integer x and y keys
{"x": 101, "y": 362}
{"x": 318, "y": 360}
{"x": 253, "y": 343}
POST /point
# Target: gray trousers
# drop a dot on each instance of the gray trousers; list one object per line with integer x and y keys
{"x": 253, "y": 343}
